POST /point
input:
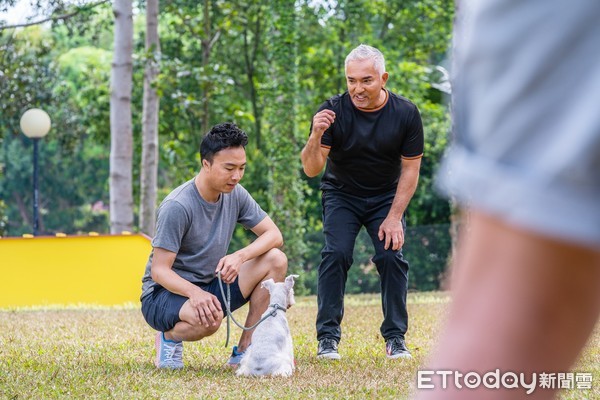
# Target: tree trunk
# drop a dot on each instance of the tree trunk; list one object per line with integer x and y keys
{"x": 149, "y": 164}
{"x": 121, "y": 137}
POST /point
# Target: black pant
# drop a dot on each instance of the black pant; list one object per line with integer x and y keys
{"x": 343, "y": 216}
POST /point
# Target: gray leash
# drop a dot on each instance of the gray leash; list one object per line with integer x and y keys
{"x": 227, "y": 299}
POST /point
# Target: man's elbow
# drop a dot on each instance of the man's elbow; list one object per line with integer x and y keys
{"x": 311, "y": 173}
{"x": 305, "y": 167}
{"x": 155, "y": 274}
{"x": 278, "y": 240}
{"x": 310, "y": 169}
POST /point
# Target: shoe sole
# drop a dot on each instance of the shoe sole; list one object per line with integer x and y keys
{"x": 329, "y": 356}
{"x": 171, "y": 368}
{"x": 157, "y": 350}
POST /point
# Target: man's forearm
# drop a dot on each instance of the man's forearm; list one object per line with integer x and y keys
{"x": 312, "y": 157}
{"x": 263, "y": 243}
{"x": 407, "y": 185}
{"x": 174, "y": 283}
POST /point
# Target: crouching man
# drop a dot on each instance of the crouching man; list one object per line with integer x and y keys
{"x": 180, "y": 292}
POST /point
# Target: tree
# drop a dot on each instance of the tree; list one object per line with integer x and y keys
{"x": 149, "y": 165}
{"x": 38, "y": 69}
{"x": 121, "y": 142}
{"x": 249, "y": 24}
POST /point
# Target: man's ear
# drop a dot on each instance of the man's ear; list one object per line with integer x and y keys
{"x": 384, "y": 78}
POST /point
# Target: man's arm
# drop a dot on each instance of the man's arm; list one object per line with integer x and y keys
{"x": 163, "y": 274}
{"x": 268, "y": 237}
{"x": 206, "y": 305}
{"x": 391, "y": 228}
{"x": 314, "y": 156}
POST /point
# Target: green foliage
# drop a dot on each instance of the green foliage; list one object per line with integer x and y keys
{"x": 426, "y": 248}
{"x": 3, "y": 218}
{"x": 72, "y": 88}
{"x": 86, "y": 74}
{"x": 285, "y": 186}
{"x": 69, "y": 203}
{"x": 25, "y": 80}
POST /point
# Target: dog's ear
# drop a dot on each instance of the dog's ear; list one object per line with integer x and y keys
{"x": 289, "y": 281}
{"x": 290, "y": 298}
{"x": 268, "y": 284}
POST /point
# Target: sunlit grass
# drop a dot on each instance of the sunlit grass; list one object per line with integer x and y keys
{"x": 106, "y": 352}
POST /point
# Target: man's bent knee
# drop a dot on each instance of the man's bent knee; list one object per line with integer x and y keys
{"x": 277, "y": 260}
{"x": 197, "y": 330}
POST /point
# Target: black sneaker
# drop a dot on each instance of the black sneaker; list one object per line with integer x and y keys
{"x": 395, "y": 348}
{"x": 328, "y": 348}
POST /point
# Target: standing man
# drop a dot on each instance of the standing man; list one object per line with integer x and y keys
{"x": 372, "y": 142}
{"x": 181, "y": 298}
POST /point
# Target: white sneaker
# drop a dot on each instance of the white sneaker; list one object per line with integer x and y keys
{"x": 169, "y": 353}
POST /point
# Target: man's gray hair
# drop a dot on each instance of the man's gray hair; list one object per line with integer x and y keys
{"x": 366, "y": 52}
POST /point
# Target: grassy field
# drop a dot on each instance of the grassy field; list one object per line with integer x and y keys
{"x": 101, "y": 353}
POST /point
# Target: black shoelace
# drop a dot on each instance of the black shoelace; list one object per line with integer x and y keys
{"x": 395, "y": 345}
{"x": 328, "y": 345}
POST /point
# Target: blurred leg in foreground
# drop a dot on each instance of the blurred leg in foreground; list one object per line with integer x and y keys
{"x": 526, "y": 163}
{"x": 523, "y": 303}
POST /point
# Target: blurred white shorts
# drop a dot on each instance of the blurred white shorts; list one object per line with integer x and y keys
{"x": 526, "y": 106}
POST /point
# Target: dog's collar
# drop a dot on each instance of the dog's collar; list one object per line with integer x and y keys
{"x": 276, "y": 307}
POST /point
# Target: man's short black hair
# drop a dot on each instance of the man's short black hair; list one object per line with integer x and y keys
{"x": 222, "y": 136}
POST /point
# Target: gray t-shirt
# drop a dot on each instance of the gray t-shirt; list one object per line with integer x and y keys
{"x": 198, "y": 231}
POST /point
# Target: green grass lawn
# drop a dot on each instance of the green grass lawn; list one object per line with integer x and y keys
{"x": 88, "y": 353}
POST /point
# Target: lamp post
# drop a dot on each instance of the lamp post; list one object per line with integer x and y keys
{"x": 35, "y": 124}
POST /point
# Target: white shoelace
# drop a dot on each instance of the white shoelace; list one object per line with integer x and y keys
{"x": 173, "y": 353}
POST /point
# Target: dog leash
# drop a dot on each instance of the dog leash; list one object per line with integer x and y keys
{"x": 227, "y": 299}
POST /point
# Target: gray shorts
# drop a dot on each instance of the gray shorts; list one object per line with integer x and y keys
{"x": 160, "y": 307}
{"x": 526, "y": 94}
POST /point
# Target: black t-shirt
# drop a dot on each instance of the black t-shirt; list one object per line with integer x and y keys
{"x": 367, "y": 146}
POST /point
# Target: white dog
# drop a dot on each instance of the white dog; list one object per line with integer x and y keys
{"x": 272, "y": 350}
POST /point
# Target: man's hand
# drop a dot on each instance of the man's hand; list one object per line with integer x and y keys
{"x": 321, "y": 122}
{"x": 313, "y": 155}
{"x": 206, "y": 306}
{"x": 391, "y": 230}
{"x": 229, "y": 266}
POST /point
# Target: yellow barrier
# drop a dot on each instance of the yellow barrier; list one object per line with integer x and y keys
{"x": 98, "y": 270}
